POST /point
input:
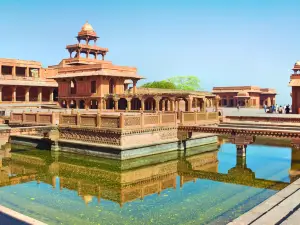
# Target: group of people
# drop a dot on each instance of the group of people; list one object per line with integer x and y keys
{"x": 277, "y": 109}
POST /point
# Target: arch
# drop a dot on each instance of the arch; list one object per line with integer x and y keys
{"x": 33, "y": 94}
{"x": 112, "y": 86}
{"x": 7, "y": 93}
{"x": 81, "y": 104}
{"x": 136, "y": 104}
{"x": 122, "y": 104}
{"x": 63, "y": 103}
{"x": 150, "y": 103}
{"x": 73, "y": 86}
{"x": 94, "y": 104}
{"x": 165, "y": 104}
{"x": 110, "y": 103}
{"x": 20, "y": 94}
{"x": 73, "y": 104}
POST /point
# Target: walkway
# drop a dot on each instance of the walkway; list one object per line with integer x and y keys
{"x": 282, "y": 208}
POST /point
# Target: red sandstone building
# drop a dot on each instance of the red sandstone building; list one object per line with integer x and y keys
{"x": 246, "y": 96}
{"x": 86, "y": 80}
{"x": 295, "y": 84}
{"x": 26, "y": 81}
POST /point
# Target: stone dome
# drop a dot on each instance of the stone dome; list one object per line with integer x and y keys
{"x": 87, "y": 27}
{"x": 243, "y": 94}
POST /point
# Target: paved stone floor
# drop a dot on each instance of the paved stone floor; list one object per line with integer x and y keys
{"x": 281, "y": 208}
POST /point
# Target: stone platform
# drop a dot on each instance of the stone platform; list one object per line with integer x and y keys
{"x": 281, "y": 208}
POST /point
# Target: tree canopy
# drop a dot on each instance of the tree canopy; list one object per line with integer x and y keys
{"x": 189, "y": 83}
{"x": 160, "y": 84}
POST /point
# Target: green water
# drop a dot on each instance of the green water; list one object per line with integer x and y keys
{"x": 199, "y": 188}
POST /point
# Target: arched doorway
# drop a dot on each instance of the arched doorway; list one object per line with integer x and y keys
{"x": 81, "y": 104}
{"x": 110, "y": 104}
{"x": 122, "y": 104}
{"x": 150, "y": 104}
{"x": 73, "y": 104}
{"x": 165, "y": 104}
{"x": 94, "y": 104}
{"x": 20, "y": 94}
{"x": 136, "y": 104}
{"x": 63, "y": 104}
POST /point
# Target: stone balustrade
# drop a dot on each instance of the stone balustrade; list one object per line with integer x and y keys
{"x": 270, "y": 119}
{"x": 31, "y": 118}
{"x": 131, "y": 121}
{"x": 187, "y": 118}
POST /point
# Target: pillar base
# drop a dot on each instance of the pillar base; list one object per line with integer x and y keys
{"x": 241, "y": 150}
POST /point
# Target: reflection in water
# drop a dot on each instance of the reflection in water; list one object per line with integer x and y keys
{"x": 166, "y": 189}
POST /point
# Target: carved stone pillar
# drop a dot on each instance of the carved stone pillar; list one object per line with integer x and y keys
{"x": 14, "y": 71}
{"x": 14, "y": 94}
{"x": 40, "y": 97}
{"x": 27, "y": 89}
{"x": 204, "y": 105}
{"x": 157, "y": 99}
{"x": 116, "y": 101}
{"x": 128, "y": 103}
{"x": 190, "y": 101}
{"x": 1, "y": 92}
{"x": 172, "y": 105}
{"x": 269, "y": 101}
{"x": 27, "y": 72}
{"x": 104, "y": 103}
{"x": 134, "y": 87}
{"x": 100, "y": 103}
{"x": 0, "y": 69}
{"x": 142, "y": 104}
{"x": 241, "y": 150}
{"x": 51, "y": 95}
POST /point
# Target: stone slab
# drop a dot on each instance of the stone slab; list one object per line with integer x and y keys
{"x": 11, "y": 217}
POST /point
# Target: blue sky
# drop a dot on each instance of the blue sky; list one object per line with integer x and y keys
{"x": 224, "y": 43}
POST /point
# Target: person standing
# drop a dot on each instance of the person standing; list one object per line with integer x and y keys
{"x": 276, "y": 108}
{"x": 238, "y": 107}
{"x": 265, "y": 108}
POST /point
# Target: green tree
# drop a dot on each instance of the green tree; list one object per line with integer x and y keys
{"x": 189, "y": 83}
{"x": 160, "y": 84}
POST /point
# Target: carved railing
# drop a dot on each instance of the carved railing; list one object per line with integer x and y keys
{"x": 198, "y": 117}
{"x": 138, "y": 120}
{"x": 271, "y": 119}
{"x": 32, "y": 118}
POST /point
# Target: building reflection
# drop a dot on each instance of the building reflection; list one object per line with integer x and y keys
{"x": 123, "y": 182}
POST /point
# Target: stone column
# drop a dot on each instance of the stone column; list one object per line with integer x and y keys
{"x": 27, "y": 89}
{"x": 0, "y": 69}
{"x": 51, "y": 95}
{"x": 1, "y": 92}
{"x": 100, "y": 104}
{"x": 269, "y": 101}
{"x": 40, "y": 97}
{"x": 116, "y": 104}
{"x": 14, "y": 71}
{"x": 27, "y": 72}
{"x": 134, "y": 87}
{"x": 14, "y": 94}
{"x": 157, "y": 99}
{"x": 142, "y": 104}
{"x": 241, "y": 150}
{"x": 204, "y": 104}
{"x": 128, "y": 103}
{"x": 172, "y": 107}
{"x": 190, "y": 101}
